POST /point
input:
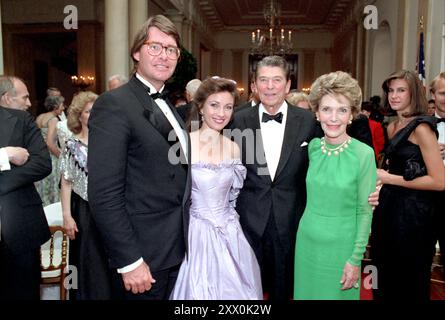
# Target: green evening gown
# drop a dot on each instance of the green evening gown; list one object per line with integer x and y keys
{"x": 335, "y": 225}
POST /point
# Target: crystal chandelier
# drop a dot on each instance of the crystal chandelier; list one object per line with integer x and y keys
{"x": 276, "y": 40}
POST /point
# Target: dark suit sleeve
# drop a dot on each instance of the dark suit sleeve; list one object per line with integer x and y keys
{"x": 359, "y": 129}
{"x": 109, "y": 134}
{"x": 38, "y": 165}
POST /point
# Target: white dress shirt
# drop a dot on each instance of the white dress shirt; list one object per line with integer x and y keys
{"x": 272, "y": 133}
{"x": 4, "y": 160}
{"x": 4, "y": 165}
{"x": 441, "y": 130}
{"x": 180, "y": 133}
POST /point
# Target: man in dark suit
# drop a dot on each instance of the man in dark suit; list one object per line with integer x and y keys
{"x": 253, "y": 98}
{"x": 24, "y": 159}
{"x": 138, "y": 186}
{"x": 274, "y": 194}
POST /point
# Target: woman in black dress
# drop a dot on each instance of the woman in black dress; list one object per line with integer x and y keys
{"x": 86, "y": 251}
{"x": 402, "y": 230}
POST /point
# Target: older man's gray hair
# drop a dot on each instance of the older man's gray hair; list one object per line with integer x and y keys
{"x": 6, "y": 85}
{"x": 116, "y": 81}
{"x": 191, "y": 88}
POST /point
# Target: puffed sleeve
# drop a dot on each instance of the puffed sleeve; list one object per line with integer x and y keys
{"x": 240, "y": 172}
{"x": 366, "y": 181}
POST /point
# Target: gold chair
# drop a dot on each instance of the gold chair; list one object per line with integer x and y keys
{"x": 54, "y": 258}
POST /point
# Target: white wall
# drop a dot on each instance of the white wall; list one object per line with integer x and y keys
{"x": 388, "y": 14}
{"x": 410, "y": 34}
{"x": 381, "y": 58}
{"x": 435, "y": 40}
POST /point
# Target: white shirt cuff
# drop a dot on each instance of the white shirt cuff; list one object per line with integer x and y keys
{"x": 131, "y": 267}
{"x": 4, "y": 160}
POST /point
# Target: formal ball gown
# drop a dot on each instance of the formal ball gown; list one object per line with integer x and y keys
{"x": 48, "y": 188}
{"x": 402, "y": 238}
{"x": 335, "y": 225}
{"x": 220, "y": 264}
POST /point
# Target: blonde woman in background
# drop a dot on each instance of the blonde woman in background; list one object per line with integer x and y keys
{"x": 298, "y": 99}
{"x": 86, "y": 249}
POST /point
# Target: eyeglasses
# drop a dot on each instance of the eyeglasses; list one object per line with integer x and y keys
{"x": 155, "y": 49}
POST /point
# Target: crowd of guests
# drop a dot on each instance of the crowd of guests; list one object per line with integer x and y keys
{"x": 283, "y": 213}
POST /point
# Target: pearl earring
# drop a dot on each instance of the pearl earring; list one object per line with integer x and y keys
{"x": 350, "y": 121}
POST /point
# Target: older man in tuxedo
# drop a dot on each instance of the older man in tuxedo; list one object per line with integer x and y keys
{"x": 274, "y": 194}
{"x": 24, "y": 159}
{"x": 138, "y": 187}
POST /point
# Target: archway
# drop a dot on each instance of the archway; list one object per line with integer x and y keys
{"x": 381, "y": 55}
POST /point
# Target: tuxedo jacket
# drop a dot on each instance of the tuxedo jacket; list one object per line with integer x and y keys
{"x": 23, "y": 222}
{"x": 285, "y": 195}
{"x": 138, "y": 198}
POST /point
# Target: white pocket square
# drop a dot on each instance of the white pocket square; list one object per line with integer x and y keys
{"x": 304, "y": 144}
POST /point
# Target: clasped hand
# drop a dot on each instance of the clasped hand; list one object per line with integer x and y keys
{"x": 139, "y": 280}
{"x": 17, "y": 155}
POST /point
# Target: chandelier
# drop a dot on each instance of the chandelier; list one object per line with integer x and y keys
{"x": 275, "y": 40}
{"x": 82, "y": 82}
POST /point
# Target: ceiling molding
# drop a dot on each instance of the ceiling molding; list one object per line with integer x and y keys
{"x": 301, "y": 15}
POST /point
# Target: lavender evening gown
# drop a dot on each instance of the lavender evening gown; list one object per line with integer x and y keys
{"x": 220, "y": 264}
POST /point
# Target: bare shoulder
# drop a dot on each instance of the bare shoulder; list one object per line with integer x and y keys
{"x": 423, "y": 128}
{"x": 423, "y": 132}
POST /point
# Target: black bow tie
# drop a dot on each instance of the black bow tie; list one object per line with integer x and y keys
{"x": 278, "y": 117}
{"x": 158, "y": 95}
{"x": 439, "y": 120}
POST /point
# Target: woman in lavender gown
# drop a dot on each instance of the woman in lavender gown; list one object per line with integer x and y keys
{"x": 220, "y": 264}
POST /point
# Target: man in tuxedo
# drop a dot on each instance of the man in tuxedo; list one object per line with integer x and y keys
{"x": 253, "y": 98}
{"x": 24, "y": 159}
{"x": 274, "y": 194}
{"x": 138, "y": 186}
{"x": 16, "y": 97}
{"x": 437, "y": 90}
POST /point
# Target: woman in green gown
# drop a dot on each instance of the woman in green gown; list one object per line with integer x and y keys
{"x": 335, "y": 225}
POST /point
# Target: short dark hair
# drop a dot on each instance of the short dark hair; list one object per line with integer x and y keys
{"x": 53, "y": 102}
{"x": 274, "y": 61}
{"x": 368, "y": 106}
